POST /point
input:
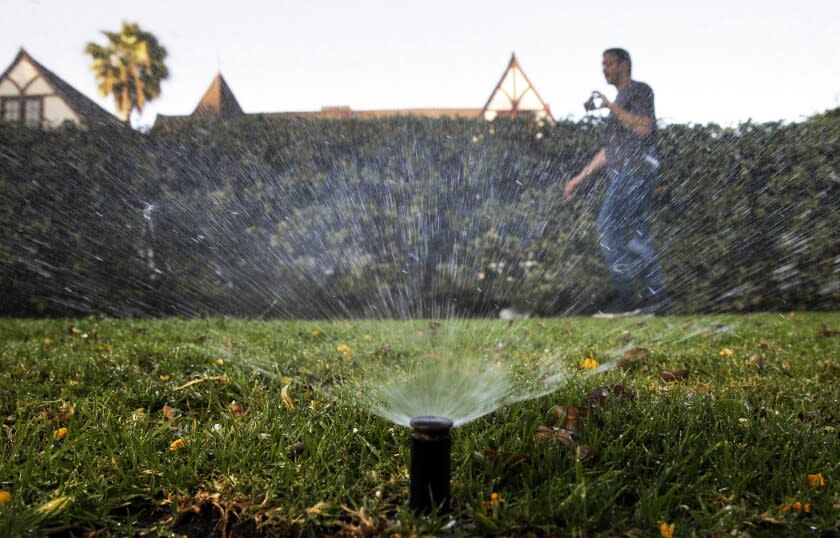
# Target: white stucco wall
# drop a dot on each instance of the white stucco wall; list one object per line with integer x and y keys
{"x": 57, "y": 112}
{"x": 23, "y": 72}
{"x": 39, "y": 87}
{"x": 8, "y": 88}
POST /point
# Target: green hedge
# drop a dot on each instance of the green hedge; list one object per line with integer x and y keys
{"x": 402, "y": 217}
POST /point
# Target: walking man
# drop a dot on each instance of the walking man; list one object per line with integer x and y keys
{"x": 628, "y": 155}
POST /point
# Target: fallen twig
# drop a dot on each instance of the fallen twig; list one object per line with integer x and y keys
{"x": 219, "y": 378}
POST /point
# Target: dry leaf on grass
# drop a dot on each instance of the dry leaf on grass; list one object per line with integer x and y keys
{"x": 544, "y": 433}
{"x": 513, "y": 457}
{"x": 363, "y": 525}
{"x": 236, "y": 409}
{"x": 561, "y": 435}
{"x": 584, "y": 452}
{"x": 766, "y": 519}
{"x": 295, "y": 450}
{"x": 624, "y": 392}
{"x": 317, "y": 508}
{"x": 565, "y": 438}
{"x": 599, "y": 395}
{"x": 287, "y": 400}
{"x": 171, "y": 413}
{"x": 671, "y": 377}
{"x": 57, "y": 414}
{"x": 567, "y": 416}
{"x": 208, "y": 509}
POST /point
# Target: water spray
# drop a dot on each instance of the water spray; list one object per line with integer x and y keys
{"x": 430, "y": 464}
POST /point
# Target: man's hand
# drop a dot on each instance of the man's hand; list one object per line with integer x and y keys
{"x": 640, "y": 125}
{"x": 605, "y": 103}
{"x": 596, "y": 163}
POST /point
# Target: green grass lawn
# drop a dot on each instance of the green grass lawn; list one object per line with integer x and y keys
{"x": 724, "y": 425}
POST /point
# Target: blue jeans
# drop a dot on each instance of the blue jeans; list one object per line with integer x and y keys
{"x": 626, "y": 240}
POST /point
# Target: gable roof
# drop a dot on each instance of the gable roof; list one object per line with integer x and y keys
{"x": 218, "y": 101}
{"x": 514, "y": 94}
{"x": 83, "y": 106}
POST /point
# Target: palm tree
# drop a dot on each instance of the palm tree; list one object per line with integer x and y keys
{"x": 130, "y": 67}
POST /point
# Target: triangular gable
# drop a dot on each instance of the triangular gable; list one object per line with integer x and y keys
{"x": 218, "y": 101}
{"x": 48, "y": 82}
{"x": 514, "y": 95}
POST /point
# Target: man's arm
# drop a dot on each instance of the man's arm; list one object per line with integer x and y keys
{"x": 596, "y": 163}
{"x": 639, "y": 124}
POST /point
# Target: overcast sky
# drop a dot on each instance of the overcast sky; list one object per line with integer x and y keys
{"x": 713, "y": 61}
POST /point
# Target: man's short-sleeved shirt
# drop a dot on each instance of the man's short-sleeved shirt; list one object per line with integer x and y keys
{"x": 625, "y": 150}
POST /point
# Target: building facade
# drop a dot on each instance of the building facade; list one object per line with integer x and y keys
{"x": 35, "y": 96}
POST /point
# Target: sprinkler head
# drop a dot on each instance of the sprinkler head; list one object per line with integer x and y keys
{"x": 430, "y": 464}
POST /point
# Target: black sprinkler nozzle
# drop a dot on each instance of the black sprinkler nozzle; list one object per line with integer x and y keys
{"x": 430, "y": 464}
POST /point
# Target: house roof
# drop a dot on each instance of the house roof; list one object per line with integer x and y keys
{"x": 514, "y": 94}
{"x": 83, "y": 106}
{"x": 218, "y": 101}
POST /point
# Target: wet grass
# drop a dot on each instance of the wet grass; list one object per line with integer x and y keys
{"x": 232, "y": 428}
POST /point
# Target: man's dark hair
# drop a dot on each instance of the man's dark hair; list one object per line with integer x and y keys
{"x": 622, "y": 55}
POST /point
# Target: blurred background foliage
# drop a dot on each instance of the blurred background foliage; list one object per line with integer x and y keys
{"x": 402, "y": 217}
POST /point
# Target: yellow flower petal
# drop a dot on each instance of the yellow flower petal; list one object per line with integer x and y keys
{"x": 176, "y": 444}
{"x": 5, "y": 497}
{"x": 60, "y": 434}
{"x": 816, "y": 480}
{"x": 589, "y": 364}
{"x": 345, "y": 350}
{"x": 666, "y": 530}
{"x": 726, "y": 352}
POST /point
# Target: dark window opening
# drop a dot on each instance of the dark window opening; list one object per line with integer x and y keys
{"x": 11, "y": 110}
{"x": 29, "y": 110}
{"x": 33, "y": 114}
